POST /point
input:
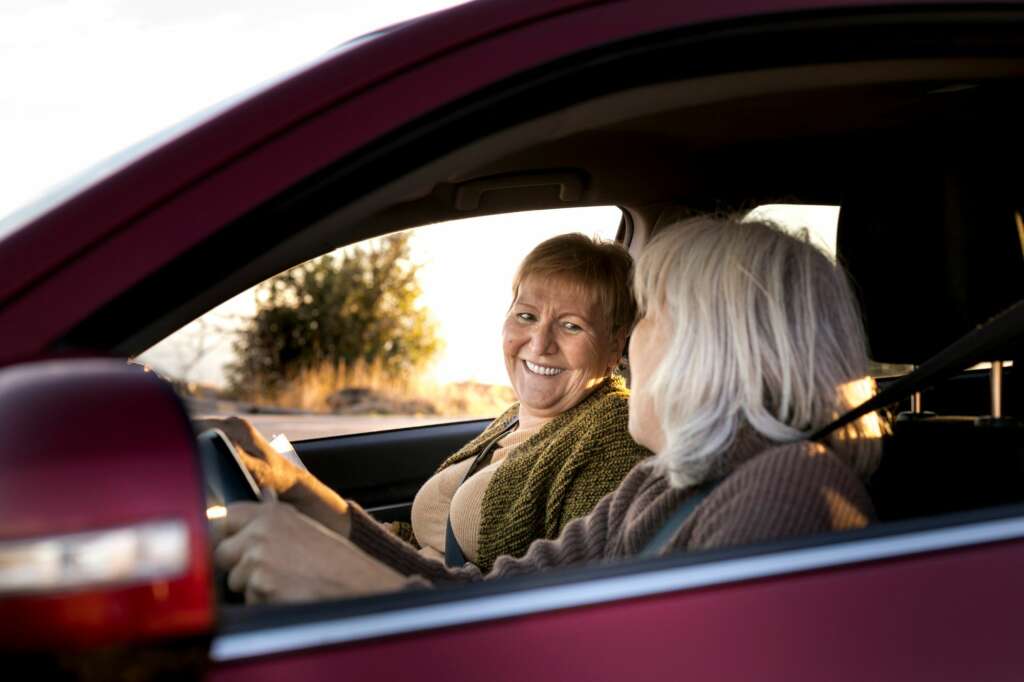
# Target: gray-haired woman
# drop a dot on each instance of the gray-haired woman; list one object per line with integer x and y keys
{"x": 750, "y": 340}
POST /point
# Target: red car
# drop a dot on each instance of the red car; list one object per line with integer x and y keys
{"x": 907, "y": 116}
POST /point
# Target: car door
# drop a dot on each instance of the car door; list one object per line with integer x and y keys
{"x": 924, "y": 604}
{"x": 932, "y": 598}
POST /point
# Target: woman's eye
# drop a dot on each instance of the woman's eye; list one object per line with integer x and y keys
{"x": 525, "y": 317}
{"x": 572, "y": 328}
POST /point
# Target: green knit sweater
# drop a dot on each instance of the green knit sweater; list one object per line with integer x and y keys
{"x": 558, "y": 474}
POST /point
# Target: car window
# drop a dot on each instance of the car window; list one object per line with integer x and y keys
{"x": 401, "y": 330}
{"x": 821, "y": 223}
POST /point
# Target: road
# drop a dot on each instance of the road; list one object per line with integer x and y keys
{"x": 303, "y": 427}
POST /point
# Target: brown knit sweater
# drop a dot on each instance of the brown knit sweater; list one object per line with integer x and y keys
{"x": 778, "y": 492}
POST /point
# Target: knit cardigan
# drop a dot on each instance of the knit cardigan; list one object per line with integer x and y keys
{"x": 556, "y": 475}
{"x": 778, "y": 492}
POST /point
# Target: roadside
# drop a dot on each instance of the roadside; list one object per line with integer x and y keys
{"x": 298, "y": 425}
{"x": 305, "y": 427}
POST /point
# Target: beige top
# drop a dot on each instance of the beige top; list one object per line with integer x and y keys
{"x": 442, "y": 493}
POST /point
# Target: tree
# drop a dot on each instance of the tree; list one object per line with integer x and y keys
{"x": 356, "y": 306}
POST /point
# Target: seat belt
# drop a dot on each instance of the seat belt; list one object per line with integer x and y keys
{"x": 453, "y": 554}
{"x": 975, "y": 346}
{"x": 661, "y": 539}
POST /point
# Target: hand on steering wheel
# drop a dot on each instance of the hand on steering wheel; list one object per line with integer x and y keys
{"x": 268, "y": 467}
{"x": 272, "y": 470}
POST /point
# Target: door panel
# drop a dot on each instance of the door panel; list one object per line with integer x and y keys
{"x": 385, "y": 469}
{"x": 945, "y": 615}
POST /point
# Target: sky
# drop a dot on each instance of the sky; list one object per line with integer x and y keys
{"x": 81, "y": 80}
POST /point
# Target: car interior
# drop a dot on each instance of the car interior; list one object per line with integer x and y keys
{"x": 915, "y": 135}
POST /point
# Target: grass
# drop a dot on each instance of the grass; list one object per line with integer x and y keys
{"x": 364, "y": 388}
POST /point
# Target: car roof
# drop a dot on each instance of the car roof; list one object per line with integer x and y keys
{"x": 126, "y": 185}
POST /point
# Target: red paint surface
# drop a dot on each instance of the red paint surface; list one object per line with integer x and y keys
{"x": 105, "y": 451}
{"x": 115, "y": 234}
{"x": 90, "y": 445}
{"x": 952, "y": 616}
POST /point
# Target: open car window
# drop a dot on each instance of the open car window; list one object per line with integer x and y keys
{"x": 391, "y": 332}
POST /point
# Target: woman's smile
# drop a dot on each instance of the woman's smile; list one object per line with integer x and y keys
{"x": 542, "y": 370}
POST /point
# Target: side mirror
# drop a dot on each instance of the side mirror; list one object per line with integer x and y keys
{"x": 103, "y": 532}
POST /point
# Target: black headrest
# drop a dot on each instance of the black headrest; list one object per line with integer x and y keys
{"x": 934, "y": 248}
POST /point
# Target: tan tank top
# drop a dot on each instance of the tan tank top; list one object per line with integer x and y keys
{"x": 442, "y": 493}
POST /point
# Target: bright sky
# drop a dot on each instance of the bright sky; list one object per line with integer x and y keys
{"x": 83, "y": 79}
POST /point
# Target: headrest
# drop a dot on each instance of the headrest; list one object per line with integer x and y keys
{"x": 934, "y": 248}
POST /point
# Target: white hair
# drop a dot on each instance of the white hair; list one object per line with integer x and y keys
{"x": 763, "y": 333}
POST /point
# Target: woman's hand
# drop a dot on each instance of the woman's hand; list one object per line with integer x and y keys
{"x": 274, "y": 553}
{"x": 268, "y": 467}
{"x": 272, "y": 470}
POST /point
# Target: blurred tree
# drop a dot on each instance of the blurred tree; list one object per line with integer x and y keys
{"x": 356, "y": 306}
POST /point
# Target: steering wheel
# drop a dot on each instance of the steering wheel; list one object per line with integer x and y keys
{"x": 227, "y": 481}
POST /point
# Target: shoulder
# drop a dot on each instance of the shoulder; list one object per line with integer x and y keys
{"x": 798, "y": 465}
{"x": 606, "y": 411}
{"x": 611, "y": 395}
{"x": 644, "y": 481}
{"x": 786, "y": 490}
{"x": 597, "y": 434}
{"x": 802, "y": 471}
{"x": 602, "y": 427}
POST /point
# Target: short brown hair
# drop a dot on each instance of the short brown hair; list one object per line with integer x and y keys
{"x": 599, "y": 266}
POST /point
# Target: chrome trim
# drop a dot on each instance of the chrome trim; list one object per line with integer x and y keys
{"x": 601, "y": 590}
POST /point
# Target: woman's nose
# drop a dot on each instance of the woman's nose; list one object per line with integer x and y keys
{"x": 542, "y": 341}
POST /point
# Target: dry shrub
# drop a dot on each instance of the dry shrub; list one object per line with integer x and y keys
{"x": 365, "y": 388}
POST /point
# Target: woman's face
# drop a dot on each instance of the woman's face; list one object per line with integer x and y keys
{"x": 558, "y": 346}
{"x": 646, "y": 348}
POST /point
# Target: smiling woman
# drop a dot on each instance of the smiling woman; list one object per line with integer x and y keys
{"x": 563, "y": 337}
{"x": 566, "y": 329}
